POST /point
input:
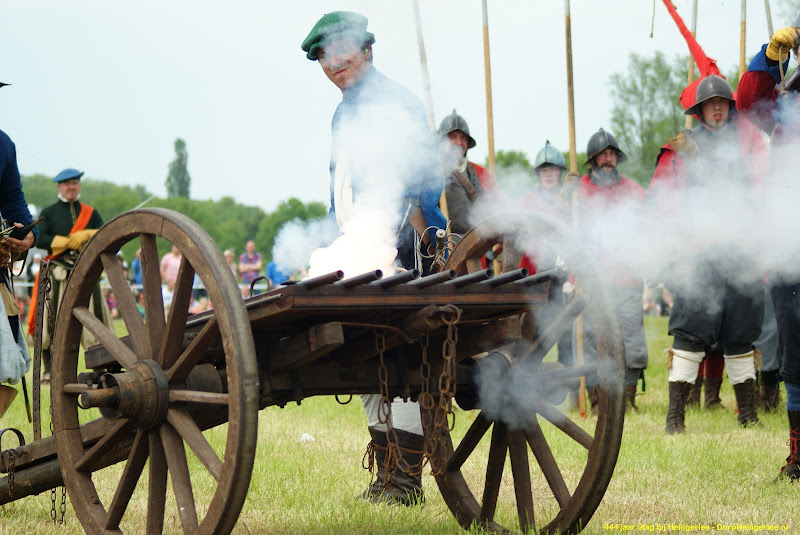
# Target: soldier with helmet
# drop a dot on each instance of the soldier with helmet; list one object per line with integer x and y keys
{"x": 600, "y": 192}
{"x": 770, "y": 102}
{"x": 551, "y": 196}
{"x": 719, "y": 297}
{"x": 465, "y": 181}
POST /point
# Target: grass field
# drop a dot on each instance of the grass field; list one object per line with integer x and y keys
{"x": 717, "y": 475}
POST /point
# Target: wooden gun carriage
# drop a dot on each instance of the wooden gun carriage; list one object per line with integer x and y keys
{"x": 141, "y": 404}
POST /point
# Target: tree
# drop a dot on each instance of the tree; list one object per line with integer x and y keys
{"x": 288, "y": 210}
{"x": 178, "y": 179}
{"x": 646, "y": 110}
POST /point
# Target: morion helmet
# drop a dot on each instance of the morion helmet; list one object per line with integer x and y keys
{"x": 711, "y": 86}
{"x": 599, "y": 142}
{"x": 454, "y": 122}
{"x": 549, "y": 155}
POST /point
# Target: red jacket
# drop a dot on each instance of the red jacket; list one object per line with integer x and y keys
{"x": 669, "y": 178}
{"x": 598, "y": 203}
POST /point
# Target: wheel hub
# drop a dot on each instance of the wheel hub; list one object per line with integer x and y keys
{"x": 143, "y": 393}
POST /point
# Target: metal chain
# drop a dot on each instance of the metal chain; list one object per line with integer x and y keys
{"x": 443, "y": 417}
{"x": 12, "y": 461}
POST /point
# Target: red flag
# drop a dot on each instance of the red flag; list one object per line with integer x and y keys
{"x": 705, "y": 64}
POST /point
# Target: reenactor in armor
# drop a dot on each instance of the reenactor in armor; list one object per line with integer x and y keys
{"x": 551, "y": 196}
{"x": 67, "y": 226}
{"x": 464, "y": 180}
{"x": 718, "y": 295}
{"x": 602, "y": 192}
{"x": 770, "y": 101}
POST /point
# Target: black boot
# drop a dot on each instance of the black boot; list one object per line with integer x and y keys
{"x": 594, "y": 398}
{"x": 745, "y": 399}
{"x": 712, "y": 385}
{"x": 791, "y": 470}
{"x": 375, "y": 462}
{"x": 770, "y": 391}
{"x": 403, "y": 485}
{"x": 630, "y": 398}
{"x": 678, "y": 392}
{"x": 693, "y": 400}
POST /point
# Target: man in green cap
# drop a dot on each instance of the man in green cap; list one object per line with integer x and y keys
{"x": 383, "y": 162}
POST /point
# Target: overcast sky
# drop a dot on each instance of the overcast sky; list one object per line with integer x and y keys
{"x": 106, "y": 87}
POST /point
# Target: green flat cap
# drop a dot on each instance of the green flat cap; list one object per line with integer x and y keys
{"x": 338, "y": 23}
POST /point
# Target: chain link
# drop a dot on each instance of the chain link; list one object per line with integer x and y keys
{"x": 436, "y": 421}
{"x": 12, "y": 461}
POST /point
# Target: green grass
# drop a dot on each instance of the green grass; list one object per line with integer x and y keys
{"x": 715, "y": 473}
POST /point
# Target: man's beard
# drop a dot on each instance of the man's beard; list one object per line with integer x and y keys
{"x": 605, "y": 176}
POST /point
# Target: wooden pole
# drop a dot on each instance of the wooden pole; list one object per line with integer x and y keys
{"x": 769, "y": 18}
{"x": 487, "y": 67}
{"x": 690, "y": 77}
{"x": 426, "y": 83}
{"x": 742, "y": 36}
{"x": 573, "y": 149}
{"x": 573, "y": 168}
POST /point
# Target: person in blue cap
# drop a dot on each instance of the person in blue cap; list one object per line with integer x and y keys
{"x": 67, "y": 226}
{"x": 383, "y": 158}
{"x": 14, "y": 357}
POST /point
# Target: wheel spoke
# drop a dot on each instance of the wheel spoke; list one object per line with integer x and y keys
{"x": 494, "y": 471}
{"x": 157, "y": 488}
{"x": 520, "y": 469}
{"x": 549, "y": 338}
{"x": 192, "y": 354}
{"x": 191, "y": 434}
{"x": 126, "y": 303}
{"x": 178, "y": 312}
{"x": 127, "y": 483}
{"x": 108, "y": 339}
{"x": 102, "y": 446}
{"x": 560, "y": 420}
{"x": 181, "y": 481}
{"x": 151, "y": 286}
{"x": 544, "y": 456}
{"x": 469, "y": 442}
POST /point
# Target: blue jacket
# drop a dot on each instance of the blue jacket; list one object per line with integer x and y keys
{"x": 385, "y": 130}
{"x": 13, "y": 206}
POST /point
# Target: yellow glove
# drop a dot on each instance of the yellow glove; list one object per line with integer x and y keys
{"x": 77, "y": 239}
{"x": 59, "y": 244}
{"x": 783, "y": 41}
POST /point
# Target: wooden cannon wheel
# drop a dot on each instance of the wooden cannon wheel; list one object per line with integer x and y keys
{"x": 165, "y": 394}
{"x": 558, "y": 488}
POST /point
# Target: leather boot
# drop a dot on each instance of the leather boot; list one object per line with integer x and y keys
{"x": 791, "y": 470}
{"x": 678, "y": 392}
{"x": 375, "y": 459}
{"x": 404, "y": 485}
{"x": 694, "y": 394}
{"x": 594, "y": 398}
{"x": 770, "y": 391}
{"x": 630, "y": 398}
{"x": 712, "y": 385}
{"x": 745, "y": 399}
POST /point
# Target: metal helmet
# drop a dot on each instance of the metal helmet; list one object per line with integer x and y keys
{"x": 549, "y": 155}
{"x": 599, "y": 142}
{"x": 709, "y": 87}
{"x": 454, "y": 122}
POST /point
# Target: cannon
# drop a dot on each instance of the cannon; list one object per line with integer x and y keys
{"x": 140, "y": 404}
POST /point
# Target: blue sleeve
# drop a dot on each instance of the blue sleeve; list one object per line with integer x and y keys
{"x": 13, "y": 206}
{"x": 761, "y": 63}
